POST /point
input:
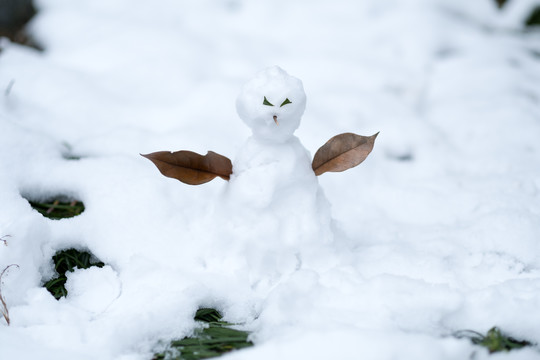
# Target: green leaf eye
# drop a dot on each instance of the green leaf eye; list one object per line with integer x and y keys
{"x": 266, "y": 102}
{"x": 285, "y": 102}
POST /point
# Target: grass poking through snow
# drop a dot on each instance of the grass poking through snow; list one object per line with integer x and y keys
{"x": 494, "y": 340}
{"x": 58, "y": 209}
{"x": 68, "y": 260}
{"x": 215, "y": 339}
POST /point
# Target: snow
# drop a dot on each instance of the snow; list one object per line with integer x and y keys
{"x": 93, "y": 289}
{"x": 273, "y": 195}
{"x": 437, "y": 231}
{"x": 278, "y": 114}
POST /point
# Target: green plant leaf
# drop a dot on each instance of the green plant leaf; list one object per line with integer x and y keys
{"x": 266, "y": 102}
{"x": 68, "y": 260}
{"x": 58, "y": 208}
{"x": 212, "y": 341}
{"x": 495, "y": 340}
{"x": 208, "y": 315}
{"x": 285, "y": 102}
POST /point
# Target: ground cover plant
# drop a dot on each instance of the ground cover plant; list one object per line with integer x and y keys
{"x": 494, "y": 340}
{"x": 215, "y": 338}
{"x": 58, "y": 208}
{"x": 67, "y": 261}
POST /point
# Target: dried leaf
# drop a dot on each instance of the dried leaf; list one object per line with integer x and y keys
{"x": 342, "y": 152}
{"x": 191, "y": 168}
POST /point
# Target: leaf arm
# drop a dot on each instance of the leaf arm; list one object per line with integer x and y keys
{"x": 342, "y": 152}
{"x": 191, "y": 168}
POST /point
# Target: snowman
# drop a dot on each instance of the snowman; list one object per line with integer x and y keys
{"x": 272, "y": 208}
{"x": 272, "y": 182}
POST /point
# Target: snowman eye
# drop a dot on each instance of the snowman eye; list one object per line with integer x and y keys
{"x": 266, "y": 102}
{"x": 285, "y": 102}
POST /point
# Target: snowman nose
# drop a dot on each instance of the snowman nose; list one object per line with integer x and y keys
{"x": 275, "y": 120}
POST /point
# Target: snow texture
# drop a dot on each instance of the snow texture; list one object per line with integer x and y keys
{"x": 437, "y": 231}
{"x": 273, "y": 204}
{"x": 272, "y": 104}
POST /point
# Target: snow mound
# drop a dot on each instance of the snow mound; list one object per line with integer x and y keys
{"x": 92, "y": 289}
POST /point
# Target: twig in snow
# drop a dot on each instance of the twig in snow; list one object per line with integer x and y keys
{"x": 3, "y": 239}
{"x": 9, "y": 87}
{"x": 3, "y": 306}
{"x": 53, "y": 206}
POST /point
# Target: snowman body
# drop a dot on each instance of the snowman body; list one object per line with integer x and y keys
{"x": 273, "y": 192}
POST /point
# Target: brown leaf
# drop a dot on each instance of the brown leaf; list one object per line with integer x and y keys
{"x": 342, "y": 152}
{"x": 191, "y": 168}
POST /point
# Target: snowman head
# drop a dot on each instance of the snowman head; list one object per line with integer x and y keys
{"x": 271, "y": 104}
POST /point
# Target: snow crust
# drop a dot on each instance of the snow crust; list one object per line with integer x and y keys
{"x": 437, "y": 231}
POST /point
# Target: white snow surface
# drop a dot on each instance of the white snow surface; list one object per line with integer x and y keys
{"x": 272, "y": 104}
{"x": 436, "y": 232}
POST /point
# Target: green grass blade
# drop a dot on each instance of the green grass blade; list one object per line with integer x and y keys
{"x": 216, "y": 339}
{"x": 64, "y": 261}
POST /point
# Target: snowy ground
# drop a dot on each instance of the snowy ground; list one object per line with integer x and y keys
{"x": 438, "y": 231}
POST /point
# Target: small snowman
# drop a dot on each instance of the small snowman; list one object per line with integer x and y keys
{"x": 273, "y": 195}
{"x": 273, "y": 183}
